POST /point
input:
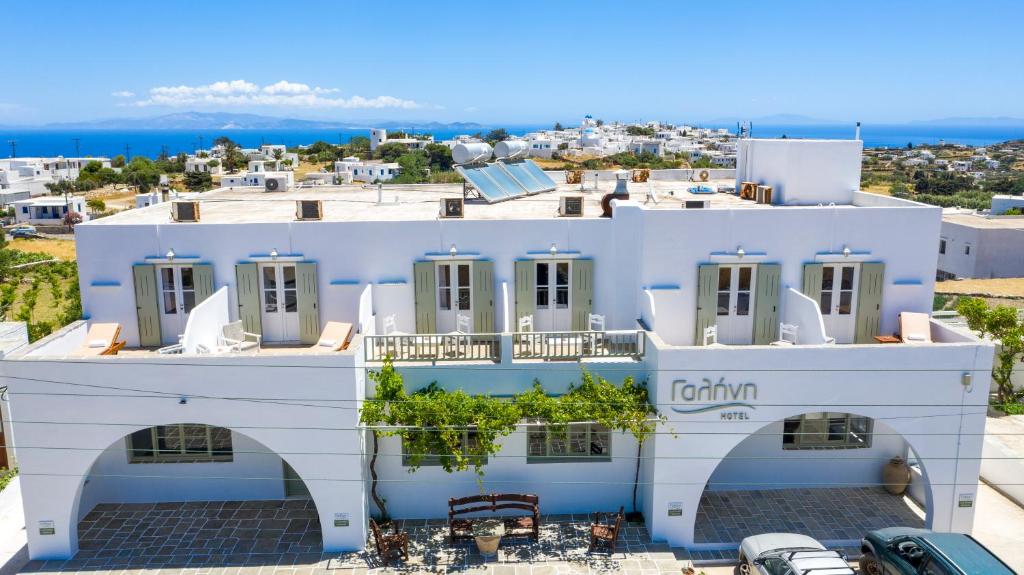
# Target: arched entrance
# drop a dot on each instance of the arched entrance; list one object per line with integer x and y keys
{"x": 193, "y": 494}
{"x": 815, "y": 473}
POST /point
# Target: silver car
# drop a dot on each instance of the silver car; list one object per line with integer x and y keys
{"x": 789, "y": 554}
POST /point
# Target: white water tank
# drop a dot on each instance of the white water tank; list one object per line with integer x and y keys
{"x": 511, "y": 149}
{"x": 471, "y": 153}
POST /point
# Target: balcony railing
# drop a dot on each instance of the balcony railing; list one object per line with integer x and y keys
{"x": 434, "y": 347}
{"x": 577, "y": 344}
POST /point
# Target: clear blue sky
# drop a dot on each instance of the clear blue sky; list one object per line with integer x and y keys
{"x": 516, "y": 62}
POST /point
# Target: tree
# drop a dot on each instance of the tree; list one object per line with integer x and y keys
{"x": 142, "y": 173}
{"x": 233, "y": 157}
{"x": 639, "y": 131}
{"x": 96, "y": 205}
{"x": 198, "y": 181}
{"x": 278, "y": 154}
{"x": 497, "y": 135}
{"x": 72, "y": 218}
{"x": 359, "y": 146}
{"x": 390, "y": 151}
{"x": 600, "y": 122}
{"x": 439, "y": 156}
{"x": 414, "y": 168}
{"x": 558, "y": 127}
{"x": 116, "y": 162}
{"x": 1003, "y": 324}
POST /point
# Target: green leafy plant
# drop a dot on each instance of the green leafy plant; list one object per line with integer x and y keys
{"x": 1001, "y": 323}
{"x": 6, "y": 476}
{"x": 433, "y": 422}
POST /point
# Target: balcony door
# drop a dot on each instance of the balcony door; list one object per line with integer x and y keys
{"x": 735, "y": 304}
{"x": 279, "y": 302}
{"x": 839, "y": 300}
{"x": 177, "y": 298}
{"x": 454, "y": 297}
{"x": 553, "y": 311}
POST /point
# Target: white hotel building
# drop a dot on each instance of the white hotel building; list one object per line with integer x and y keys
{"x": 837, "y": 263}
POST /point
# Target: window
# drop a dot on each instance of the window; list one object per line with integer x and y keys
{"x": 967, "y": 250}
{"x": 933, "y": 567}
{"x": 942, "y": 246}
{"x": 826, "y": 431}
{"x": 182, "y": 443}
{"x": 468, "y": 444}
{"x": 573, "y": 442}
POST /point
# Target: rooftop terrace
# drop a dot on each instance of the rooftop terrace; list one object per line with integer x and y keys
{"x": 357, "y": 203}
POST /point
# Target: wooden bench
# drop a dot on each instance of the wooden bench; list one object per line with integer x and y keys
{"x": 462, "y": 528}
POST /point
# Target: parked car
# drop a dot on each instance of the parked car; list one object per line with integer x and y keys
{"x": 910, "y": 551}
{"x": 24, "y": 231}
{"x": 789, "y": 554}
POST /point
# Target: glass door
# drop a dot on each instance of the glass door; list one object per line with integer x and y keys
{"x": 280, "y": 302}
{"x": 735, "y": 304}
{"x": 454, "y": 290}
{"x": 177, "y": 298}
{"x": 838, "y": 300}
{"x": 552, "y": 309}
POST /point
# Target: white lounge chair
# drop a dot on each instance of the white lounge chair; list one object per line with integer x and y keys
{"x": 915, "y": 327}
{"x": 234, "y": 337}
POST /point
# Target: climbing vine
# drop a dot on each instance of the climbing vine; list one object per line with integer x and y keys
{"x": 432, "y": 422}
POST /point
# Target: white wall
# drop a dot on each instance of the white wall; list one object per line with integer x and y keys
{"x": 802, "y": 172}
{"x": 253, "y": 473}
{"x": 778, "y": 468}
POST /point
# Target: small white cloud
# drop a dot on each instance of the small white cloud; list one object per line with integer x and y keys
{"x": 282, "y": 93}
{"x": 470, "y": 109}
{"x": 123, "y": 94}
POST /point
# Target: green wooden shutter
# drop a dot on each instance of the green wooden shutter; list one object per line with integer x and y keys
{"x": 707, "y": 296}
{"x": 309, "y": 305}
{"x": 247, "y": 277}
{"x": 766, "y": 304}
{"x": 812, "y": 281}
{"x": 147, "y": 307}
{"x": 483, "y": 297}
{"x": 425, "y": 287}
{"x": 202, "y": 278}
{"x": 526, "y": 288}
{"x": 869, "y": 302}
{"x": 582, "y": 294}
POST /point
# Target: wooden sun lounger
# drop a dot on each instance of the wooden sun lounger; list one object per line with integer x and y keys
{"x": 102, "y": 340}
{"x": 335, "y": 336}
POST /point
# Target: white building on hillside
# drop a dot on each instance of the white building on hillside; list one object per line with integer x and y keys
{"x": 48, "y": 210}
{"x": 195, "y": 164}
{"x": 379, "y": 137}
{"x": 757, "y": 329}
{"x": 26, "y": 177}
{"x": 352, "y": 169}
{"x": 982, "y": 245}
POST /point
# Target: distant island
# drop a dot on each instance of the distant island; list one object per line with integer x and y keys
{"x": 230, "y": 121}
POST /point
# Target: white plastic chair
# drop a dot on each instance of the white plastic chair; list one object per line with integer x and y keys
{"x": 390, "y": 324}
{"x": 787, "y": 334}
{"x": 711, "y": 335}
{"x": 596, "y": 322}
{"x": 463, "y": 324}
{"x": 526, "y": 323}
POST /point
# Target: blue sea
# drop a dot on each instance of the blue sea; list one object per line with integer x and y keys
{"x": 42, "y": 142}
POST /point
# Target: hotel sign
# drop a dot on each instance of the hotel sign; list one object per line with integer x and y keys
{"x": 730, "y": 399}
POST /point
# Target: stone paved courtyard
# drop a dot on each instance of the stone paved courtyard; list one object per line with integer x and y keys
{"x": 283, "y": 538}
{"x": 833, "y": 514}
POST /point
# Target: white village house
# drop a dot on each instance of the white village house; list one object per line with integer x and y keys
{"x": 48, "y": 210}
{"x": 757, "y": 327}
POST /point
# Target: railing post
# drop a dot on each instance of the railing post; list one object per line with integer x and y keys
{"x": 505, "y": 348}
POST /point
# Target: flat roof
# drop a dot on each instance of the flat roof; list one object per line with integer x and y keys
{"x": 357, "y": 203}
{"x": 985, "y": 221}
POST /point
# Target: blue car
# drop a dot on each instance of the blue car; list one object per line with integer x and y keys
{"x": 910, "y": 551}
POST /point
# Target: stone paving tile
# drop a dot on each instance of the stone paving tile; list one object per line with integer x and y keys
{"x": 834, "y": 514}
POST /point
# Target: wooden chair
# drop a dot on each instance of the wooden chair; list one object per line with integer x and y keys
{"x": 388, "y": 544}
{"x": 607, "y": 532}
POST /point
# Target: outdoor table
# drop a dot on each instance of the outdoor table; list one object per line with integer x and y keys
{"x": 488, "y": 534}
{"x": 887, "y": 339}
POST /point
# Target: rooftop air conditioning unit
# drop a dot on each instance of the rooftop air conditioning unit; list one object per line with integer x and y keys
{"x": 696, "y": 204}
{"x": 308, "y": 210}
{"x": 276, "y": 184}
{"x": 748, "y": 191}
{"x": 570, "y": 206}
{"x": 452, "y": 207}
{"x": 185, "y": 211}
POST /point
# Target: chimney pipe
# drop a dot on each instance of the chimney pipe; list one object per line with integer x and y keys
{"x": 856, "y": 134}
